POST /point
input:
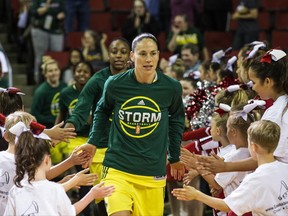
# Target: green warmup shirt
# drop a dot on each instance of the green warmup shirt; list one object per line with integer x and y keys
{"x": 87, "y": 101}
{"x": 68, "y": 100}
{"x": 45, "y": 104}
{"x": 148, "y": 120}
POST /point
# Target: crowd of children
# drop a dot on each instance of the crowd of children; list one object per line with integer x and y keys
{"x": 242, "y": 158}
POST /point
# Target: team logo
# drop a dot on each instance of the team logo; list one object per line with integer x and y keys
{"x": 72, "y": 106}
{"x": 139, "y": 116}
{"x": 55, "y": 104}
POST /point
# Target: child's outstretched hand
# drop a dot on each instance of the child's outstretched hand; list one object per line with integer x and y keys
{"x": 57, "y": 133}
{"x": 79, "y": 158}
{"x": 186, "y": 193}
{"x": 85, "y": 179}
{"x": 188, "y": 177}
{"x": 100, "y": 191}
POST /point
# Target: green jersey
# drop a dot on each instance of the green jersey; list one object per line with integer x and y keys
{"x": 148, "y": 120}
{"x": 68, "y": 100}
{"x": 87, "y": 101}
{"x": 45, "y": 104}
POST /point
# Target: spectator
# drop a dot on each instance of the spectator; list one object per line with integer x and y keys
{"x": 190, "y": 57}
{"x": 182, "y": 34}
{"x": 247, "y": 29}
{"x": 45, "y": 104}
{"x": 94, "y": 49}
{"x": 140, "y": 21}
{"x": 80, "y": 10}
{"x": 188, "y": 7}
{"x": 47, "y": 30}
{"x": 74, "y": 58}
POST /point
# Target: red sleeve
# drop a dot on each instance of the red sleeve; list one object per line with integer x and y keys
{"x": 196, "y": 134}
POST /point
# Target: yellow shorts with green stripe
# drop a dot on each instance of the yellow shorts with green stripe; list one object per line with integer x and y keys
{"x": 141, "y": 195}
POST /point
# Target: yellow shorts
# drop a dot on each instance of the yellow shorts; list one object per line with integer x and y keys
{"x": 73, "y": 143}
{"x": 96, "y": 166}
{"x": 141, "y": 195}
{"x": 58, "y": 153}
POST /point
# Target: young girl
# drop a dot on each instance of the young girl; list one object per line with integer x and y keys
{"x": 7, "y": 161}
{"x": 32, "y": 156}
{"x": 269, "y": 75}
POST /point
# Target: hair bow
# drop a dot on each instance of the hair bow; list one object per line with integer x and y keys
{"x": 256, "y": 43}
{"x": 12, "y": 90}
{"x": 274, "y": 54}
{"x": 195, "y": 75}
{"x": 230, "y": 63}
{"x": 216, "y": 57}
{"x": 247, "y": 109}
{"x": 223, "y": 109}
{"x": 20, "y": 127}
{"x": 254, "y": 50}
{"x": 233, "y": 88}
{"x": 260, "y": 103}
{"x": 2, "y": 123}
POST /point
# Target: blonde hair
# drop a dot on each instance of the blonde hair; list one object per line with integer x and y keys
{"x": 14, "y": 118}
{"x": 264, "y": 133}
{"x": 232, "y": 99}
{"x": 221, "y": 121}
{"x": 237, "y": 121}
{"x": 47, "y": 60}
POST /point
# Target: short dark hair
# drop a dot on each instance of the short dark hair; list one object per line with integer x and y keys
{"x": 194, "y": 49}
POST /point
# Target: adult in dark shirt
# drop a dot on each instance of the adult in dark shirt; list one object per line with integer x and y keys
{"x": 248, "y": 29}
{"x": 140, "y": 21}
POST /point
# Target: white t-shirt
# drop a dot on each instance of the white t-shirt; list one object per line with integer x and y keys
{"x": 231, "y": 180}
{"x": 279, "y": 114}
{"x": 40, "y": 198}
{"x": 264, "y": 192}
{"x": 225, "y": 151}
{"x": 7, "y": 173}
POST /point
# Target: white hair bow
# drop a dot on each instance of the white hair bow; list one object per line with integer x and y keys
{"x": 254, "y": 50}
{"x": 247, "y": 109}
{"x": 216, "y": 57}
{"x": 20, "y": 127}
{"x": 230, "y": 63}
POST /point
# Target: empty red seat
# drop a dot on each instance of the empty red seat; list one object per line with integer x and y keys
{"x": 61, "y": 57}
{"x": 117, "y": 5}
{"x": 100, "y": 22}
{"x": 279, "y": 39}
{"x": 264, "y": 21}
{"x": 162, "y": 41}
{"x": 218, "y": 40}
{"x": 166, "y": 55}
{"x": 73, "y": 40}
{"x": 281, "y": 21}
{"x": 119, "y": 20}
{"x": 97, "y": 5}
{"x": 275, "y": 5}
{"x": 112, "y": 35}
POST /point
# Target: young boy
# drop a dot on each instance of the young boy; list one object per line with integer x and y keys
{"x": 264, "y": 192}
